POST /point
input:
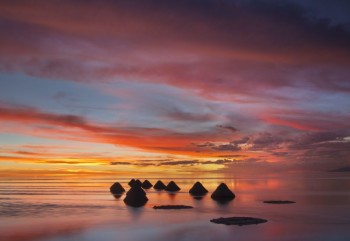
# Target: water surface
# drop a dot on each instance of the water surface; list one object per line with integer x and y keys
{"x": 59, "y": 209}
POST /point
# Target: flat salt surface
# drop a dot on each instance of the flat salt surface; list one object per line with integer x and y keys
{"x": 78, "y": 209}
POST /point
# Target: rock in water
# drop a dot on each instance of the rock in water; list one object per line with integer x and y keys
{"x": 172, "y": 187}
{"x": 136, "y": 197}
{"x": 116, "y": 188}
{"x": 138, "y": 183}
{"x": 146, "y": 184}
{"x": 222, "y": 193}
{"x": 198, "y": 189}
{"x": 172, "y": 207}
{"x": 159, "y": 185}
{"x": 240, "y": 221}
{"x": 279, "y": 201}
{"x": 139, "y": 189}
{"x": 131, "y": 183}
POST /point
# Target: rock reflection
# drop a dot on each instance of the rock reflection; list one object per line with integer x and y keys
{"x": 172, "y": 195}
{"x": 135, "y": 213}
{"x": 117, "y": 196}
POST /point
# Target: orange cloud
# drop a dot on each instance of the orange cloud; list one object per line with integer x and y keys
{"x": 77, "y": 128}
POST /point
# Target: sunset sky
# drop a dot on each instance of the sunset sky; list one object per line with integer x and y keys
{"x": 174, "y": 87}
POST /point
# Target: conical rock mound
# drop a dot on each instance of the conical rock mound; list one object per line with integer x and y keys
{"x": 116, "y": 188}
{"x": 146, "y": 184}
{"x": 131, "y": 183}
{"x": 136, "y": 197}
{"x": 198, "y": 189}
{"x": 222, "y": 193}
{"x": 138, "y": 188}
{"x": 137, "y": 183}
{"x": 172, "y": 187}
{"x": 159, "y": 185}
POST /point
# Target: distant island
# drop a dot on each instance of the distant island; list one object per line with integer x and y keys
{"x": 342, "y": 169}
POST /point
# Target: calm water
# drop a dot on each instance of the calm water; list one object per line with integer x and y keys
{"x": 83, "y": 209}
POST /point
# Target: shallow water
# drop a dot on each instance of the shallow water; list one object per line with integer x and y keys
{"x": 83, "y": 209}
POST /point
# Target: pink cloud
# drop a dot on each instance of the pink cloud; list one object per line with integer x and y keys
{"x": 77, "y": 128}
{"x": 307, "y": 120}
{"x": 227, "y": 49}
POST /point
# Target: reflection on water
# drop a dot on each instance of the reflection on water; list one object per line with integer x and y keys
{"x": 72, "y": 209}
{"x": 135, "y": 213}
{"x": 198, "y": 197}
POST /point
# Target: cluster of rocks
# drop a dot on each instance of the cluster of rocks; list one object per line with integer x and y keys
{"x": 136, "y": 196}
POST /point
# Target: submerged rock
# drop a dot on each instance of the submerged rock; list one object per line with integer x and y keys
{"x": 172, "y": 207}
{"x": 159, "y": 185}
{"x": 198, "y": 189}
{"x": 240, "y": 221}
{"x": 135, "y": 197}
{"x": 222, "y": 193}
{"x": 146, "y": 184}
{"x": 172, "y": 187}
{"x": 116, "y": 188}
{"x": 279, "y": 202}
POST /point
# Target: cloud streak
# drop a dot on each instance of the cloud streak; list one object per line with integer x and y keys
{"x": 211, "y": 58}
{"x": 260, "y": 81}
{"x": 157, "y": 139}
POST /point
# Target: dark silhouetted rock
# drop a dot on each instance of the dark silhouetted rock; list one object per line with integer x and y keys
{"x": 159, "y": 185}
{"x": 222, "y": 193}
{"x": 279, "y": 202}
{"x": 198, "y": 189}
{"x": 131, "y": 183}
{"x": 146, "y": 184}
{"x": 138, "y": 183}
{"x": 172, "y": 187}
{"x": 116, "y": 188}
{"x": 134, "y": 182}
{"x": 172, "y": 207}
{"x": 240, "y": 221}
{"x": 138, "y": 188}
{"x": 136, "y": 197}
